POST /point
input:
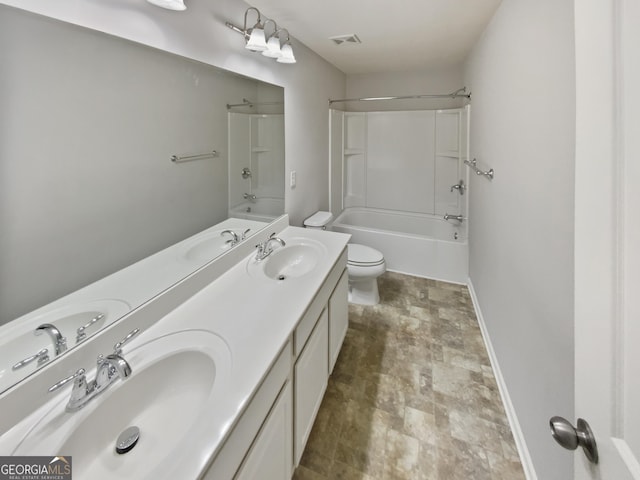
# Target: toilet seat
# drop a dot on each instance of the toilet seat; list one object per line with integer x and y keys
{"x": 363, "y": 256}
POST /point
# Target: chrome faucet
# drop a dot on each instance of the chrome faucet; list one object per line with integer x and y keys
{"x": 234, "y": 237}
{"x": 108, "y": 370}
{"x": 249, "y": 196}
{"x": 460, "y": 186}
{"x": 59, "y": 342}
{"x": 459, "y": 218}
{"x": 265, "y": 249}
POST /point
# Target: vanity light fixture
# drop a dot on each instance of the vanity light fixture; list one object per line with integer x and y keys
{"x": 271, "y": 46}
{"x": 176, "y": 5}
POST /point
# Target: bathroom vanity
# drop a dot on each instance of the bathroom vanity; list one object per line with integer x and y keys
{"x": 227, "y": 373}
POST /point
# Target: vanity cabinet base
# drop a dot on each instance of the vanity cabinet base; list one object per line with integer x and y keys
{"x": 271, "y": 453}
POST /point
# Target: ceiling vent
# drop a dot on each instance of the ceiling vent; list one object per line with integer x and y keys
{"x": 345, "y": 39}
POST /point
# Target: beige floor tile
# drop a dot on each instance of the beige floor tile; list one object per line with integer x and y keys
{"x": 412, "y": 395}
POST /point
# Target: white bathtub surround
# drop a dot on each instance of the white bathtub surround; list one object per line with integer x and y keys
{"x": 393, "y": 173}
{"x": 415, "y": 244}
{"x": 404, "y": 160}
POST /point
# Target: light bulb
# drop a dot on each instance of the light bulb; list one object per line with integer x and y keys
{"x": 273, "y": 48}
{"x": 287, "y": 54}
{"x": 257, "y": 42}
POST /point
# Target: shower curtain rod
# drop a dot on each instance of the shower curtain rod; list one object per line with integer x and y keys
{"x": 247, "y": 103}
{"x": 458, "y": 93}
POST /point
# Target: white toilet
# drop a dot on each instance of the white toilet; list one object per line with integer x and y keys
{"x": 364, "y": 264}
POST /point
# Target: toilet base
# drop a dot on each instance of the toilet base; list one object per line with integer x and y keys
{"x": 364, "y": 291}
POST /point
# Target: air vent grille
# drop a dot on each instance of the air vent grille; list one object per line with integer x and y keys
{"x": 345, "y": 39}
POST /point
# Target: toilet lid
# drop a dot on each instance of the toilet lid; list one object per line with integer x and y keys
{"x": 318, "y": 219}
{"x": 362, "y": 255}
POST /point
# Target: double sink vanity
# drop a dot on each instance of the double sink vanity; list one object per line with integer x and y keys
{"x": 222, "y": 374}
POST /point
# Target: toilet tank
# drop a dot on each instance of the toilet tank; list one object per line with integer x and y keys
{"x": 319, "y": 220}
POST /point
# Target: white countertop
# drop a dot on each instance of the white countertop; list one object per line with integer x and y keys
{"x": 255, "y": 316}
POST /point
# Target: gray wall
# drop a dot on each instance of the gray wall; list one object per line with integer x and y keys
{"x": 200, "y": 33}
{"x": 89, "y": 123}
{"x": 417, "y": 82}
{"x": 521, "y": 224}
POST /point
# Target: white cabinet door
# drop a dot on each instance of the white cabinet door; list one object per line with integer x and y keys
{"x": 338, "y": 318}
{"x": 311, "y": 373}
{"x": 270, "y": 457}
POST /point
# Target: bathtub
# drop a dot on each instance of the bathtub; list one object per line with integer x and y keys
{"x": 262, "y": 209}
{"x": 415, "y": 244}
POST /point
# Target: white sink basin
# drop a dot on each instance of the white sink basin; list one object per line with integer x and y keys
{"x": 173, "y": 383}
{"x": 19, "y": 342}
{"x": 205, "y": 247}
{"x": 298, "y": 258}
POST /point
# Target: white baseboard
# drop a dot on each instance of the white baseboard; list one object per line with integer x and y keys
{"x": 518, "y": 436}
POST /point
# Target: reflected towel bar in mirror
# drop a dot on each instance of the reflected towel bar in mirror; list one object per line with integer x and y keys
{"x": 189, "y": 158}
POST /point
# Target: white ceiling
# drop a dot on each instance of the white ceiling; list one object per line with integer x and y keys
{"x": 398, "y": 35}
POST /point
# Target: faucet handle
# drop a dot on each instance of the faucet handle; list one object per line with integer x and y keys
{"x": 81, "y": 334}
{"x": 244, "y": 234}
{"x": 42, "y": 356}
{"x": 78, "y": 377}
{"x": 117, "y": 348}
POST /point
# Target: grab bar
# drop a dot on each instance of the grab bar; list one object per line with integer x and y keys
{"x": 188, "y": 158}
{"x": 474, "y": 167}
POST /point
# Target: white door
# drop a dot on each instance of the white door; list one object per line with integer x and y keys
{"x": 607, "y": 245}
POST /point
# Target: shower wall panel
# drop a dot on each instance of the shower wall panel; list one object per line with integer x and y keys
{"x": 401, "y": 161}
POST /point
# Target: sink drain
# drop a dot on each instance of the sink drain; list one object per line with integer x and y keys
{"x": 127, "y": 440}
{"x": 281, "y": 277}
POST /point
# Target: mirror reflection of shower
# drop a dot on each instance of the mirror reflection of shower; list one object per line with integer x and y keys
{"x": 256, "y": 160}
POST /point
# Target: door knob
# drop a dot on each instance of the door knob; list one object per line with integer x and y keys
{"x": 571, "y": 437}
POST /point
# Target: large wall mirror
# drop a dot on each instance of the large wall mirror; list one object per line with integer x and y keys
{"x": 96, "y": 217}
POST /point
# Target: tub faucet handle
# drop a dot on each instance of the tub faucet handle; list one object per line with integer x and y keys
{"x": 460, "y": 187}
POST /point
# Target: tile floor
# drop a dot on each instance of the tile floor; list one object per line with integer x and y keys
{"x": 412, "y": 395}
